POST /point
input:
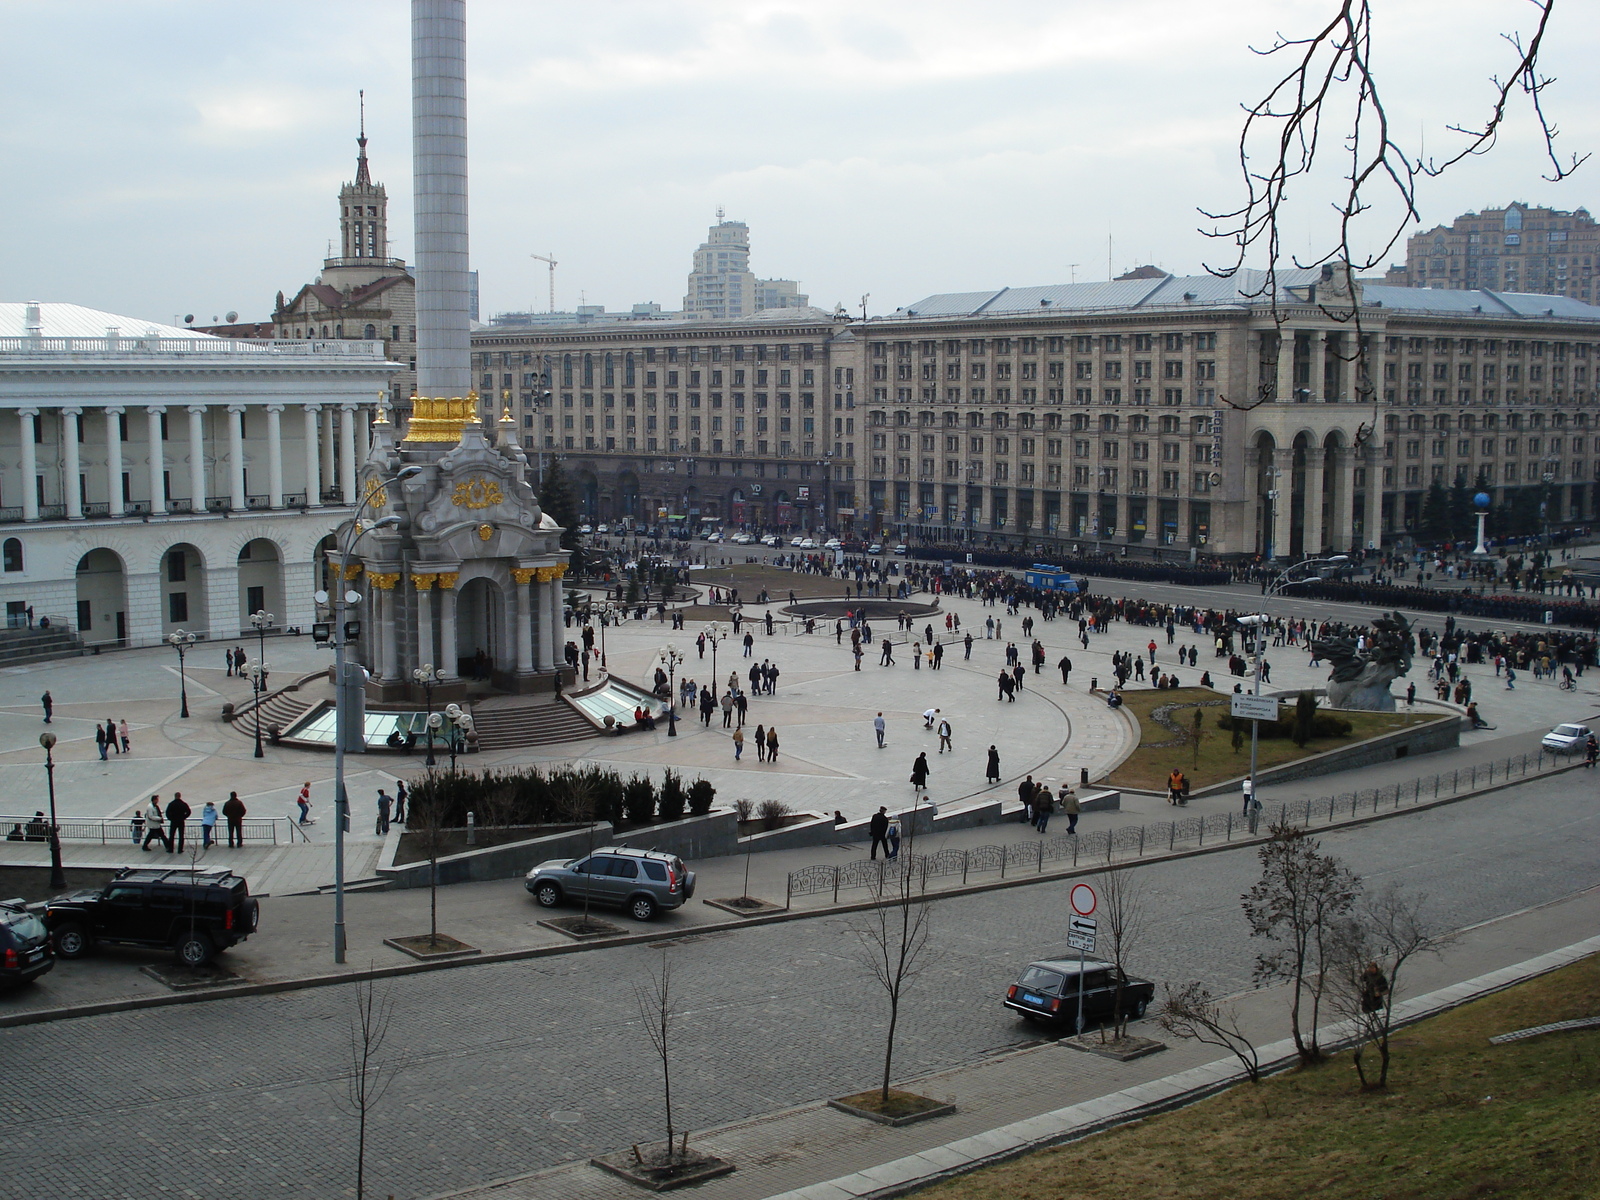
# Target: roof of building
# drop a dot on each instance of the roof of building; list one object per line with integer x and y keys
{"x": 74, "y": 320}
{"x": 1241, "y": 290}
{"x": 611, "y": 321}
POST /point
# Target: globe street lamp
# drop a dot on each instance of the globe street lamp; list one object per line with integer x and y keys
{"x": 262, "y": 620}
{"x": 460, "y": 726}
{"x": 428, "y": 677}
{"x": 714, "y": 634}
{"x": 58, "y": 878}
{"x": 181, "y": 640}
{"x": 257, "y": 671}
{"x": 670, "y": 657}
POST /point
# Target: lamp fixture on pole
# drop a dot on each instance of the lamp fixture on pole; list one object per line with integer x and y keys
{"x": 428, "y": 677}
{"x": 180, "y": 641}
{"x": 58, "y": 878}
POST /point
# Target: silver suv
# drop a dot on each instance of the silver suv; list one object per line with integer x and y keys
{"x": 643, "y": 882}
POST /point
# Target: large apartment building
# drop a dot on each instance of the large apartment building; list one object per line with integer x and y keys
{"x": 722, "y": 284}
{"x": 1512, "y": 249}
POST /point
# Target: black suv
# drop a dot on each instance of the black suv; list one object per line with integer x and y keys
{"x": 24, "y": 944}
{"x": 193, "y": 913}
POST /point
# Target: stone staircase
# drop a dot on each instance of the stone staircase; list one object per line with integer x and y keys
{"x": 532, "y": 724}
{"x": 21, "y": 646}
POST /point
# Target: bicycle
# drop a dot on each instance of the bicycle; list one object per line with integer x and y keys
{"x": 1568, "y": 685}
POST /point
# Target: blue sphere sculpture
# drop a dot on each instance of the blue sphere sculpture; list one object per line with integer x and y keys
{"x": 1482, "y": 500}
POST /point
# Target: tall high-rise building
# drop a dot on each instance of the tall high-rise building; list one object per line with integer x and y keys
{"x": 722, "y": 285}
{"x": 1512, "y": 249}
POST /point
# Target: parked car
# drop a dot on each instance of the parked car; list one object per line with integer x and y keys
{"x": 642, "y": 882}
{"x": 194, "y": 914}
{"x": 1048, "y": 991}
{"x": 807, "y": 544}
{"x": 25, "y": 952}
{"x": 833, "y": 544}
{"x": 771, "y": 539}
{"x": 902, "y": 549}
{"x": 875, "y": 548}
{"x": 604, "y": 529}
{"x": 1565, "y": 739}
{"x": 585, "y": 528}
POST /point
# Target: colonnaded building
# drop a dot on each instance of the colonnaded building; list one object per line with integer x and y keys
{"x": 154, "y": 478}
{"x": 1155, "y": 413}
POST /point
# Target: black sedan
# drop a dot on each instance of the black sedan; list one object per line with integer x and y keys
{"x": 25, "y": 952}
{"x": 1048, "y": 991}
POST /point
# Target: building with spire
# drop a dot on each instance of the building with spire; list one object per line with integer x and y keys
{"x": 362, "y": 293}
{"x": 722, "y": 285}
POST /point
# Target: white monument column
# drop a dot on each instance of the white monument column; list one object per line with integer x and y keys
{"x": 330, "y": 476}
{"x": 553, "y": 596}
{"x": 114, "y": 460}
{"x": 158, "y": 459}
{"x": 1314, "y": 535}
{"x": 521, "y": 583}
{"x": 274, "y": 456}
{"x": 313, "y": 456}
{"x": 1283, "y": 484}
{"x": 447, "y": 624}
{"x": 69, "y": 455}
{"x": 30, "y": 464}
{"x": 347, "y": 453}
{"x": 423, "y": 585}
{"x": 197, "y": 458}
{"x": 548, "y": 656}
{"x": 241, "y": 502}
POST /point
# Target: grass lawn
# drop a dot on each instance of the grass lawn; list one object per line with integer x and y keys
{"x": 1162, "y": 748}
{"x": 1461, "y": 1119}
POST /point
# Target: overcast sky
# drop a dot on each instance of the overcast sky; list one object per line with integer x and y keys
{"x": 162, "y": 158}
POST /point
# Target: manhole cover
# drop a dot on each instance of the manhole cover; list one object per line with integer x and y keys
{"x": 566, "y": 1116}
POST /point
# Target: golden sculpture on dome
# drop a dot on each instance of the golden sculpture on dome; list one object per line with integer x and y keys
{"x": 440, "y": 419}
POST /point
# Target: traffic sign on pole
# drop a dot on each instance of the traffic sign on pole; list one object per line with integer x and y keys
{"x": 1083, "y": 899}
{"x": 1081, "y": 941}
{"x": 1087, "y": 926}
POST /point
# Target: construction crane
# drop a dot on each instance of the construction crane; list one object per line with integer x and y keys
{"x": 548, "y": 259}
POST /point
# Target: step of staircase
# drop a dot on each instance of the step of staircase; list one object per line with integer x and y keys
{"x": 531, "y": 725}
{"x": 19, "y": 647}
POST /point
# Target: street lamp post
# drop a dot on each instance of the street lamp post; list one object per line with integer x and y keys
{"x": 181, "y": 640}
{"x": 58, "y": 878}
{"x": 670, "y": 657}
{"x": 428, "y": 677}
{"x": 258, "y": 682}
{"x": 460, "y": 726}
{"x": 262, "y": 620}
{"x": 714, "y": 634}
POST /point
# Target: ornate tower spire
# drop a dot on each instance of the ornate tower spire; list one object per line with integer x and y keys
{"x": 363, "y": 208}
{"x": 363, "y": 179}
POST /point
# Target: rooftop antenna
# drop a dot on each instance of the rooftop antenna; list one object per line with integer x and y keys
{"x": 1108, "y": 256}
{"x": 719, "y": 214}
{"x": 1073, "y": 267}
{"x": 864, "y": 300}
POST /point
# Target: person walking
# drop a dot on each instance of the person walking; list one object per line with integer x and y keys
{"x": 123, "y": 736}
{"x": 234, "y": 811}
{"x": 208, "y": 825}
{"x": 878, "y": 727}
{"x": 919, "y": 772}
{"x": 178, "y": 813}
{"x": 727, "y": 710}
{"x": 1071, "y": 806}
{"x": 385, "y": 802}
{"x": 153, "y": 819}
{"x": 1591, "y": 750}
{"x": 944, "y": 736}
{"x": 1249, "y": 789}
{"x": 772, "y": 743}
{"x": 878, "y": 827}
{"x": 100, "y": 741}
{"x": 892, "y": 839}
{"x": 111, "y": 735}
{"x": 49, "y": 705}
{"x": 1042, "y": 808}
{"x": 738, "y": 744}
{"x": 1066, "y": 669}
{"x": 967, "y": 642}
{"x": 761, "y": 743}
{"x": 399, "y": 802}
{"x": 1174, "y": 785}
{"x": 886, "y": 659}
{"x": 992, "y": 768}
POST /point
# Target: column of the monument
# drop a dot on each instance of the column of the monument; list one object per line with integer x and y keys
{"x": 313, "y": 457}
{"x": 521, "y": 579}
{"x": 1282, "y": 507}
{"x": 30, "y": 463}
{"x": 388, "y": 666}
{"x": 347, "y": 453}
{"x": 552, "y": 595}
{"x": 423, "y": 586}
{"x": 1343, "y": 536}
{"x": 448, "y": 658}
{"x": 71, "y": 485}
{"x": 1312, "y": 537}
{"x": 158, "y": 459}
{"x": 1285, "y": 385}
{"x": 241, "y": 501}
{"x": 274, "y": 456}
{"x": 330, "y": 477}
{"x": 197, "y": 458}
{"x": 114, "y": 460}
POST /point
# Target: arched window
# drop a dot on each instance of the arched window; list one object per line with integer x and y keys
{"x": 371, "y": 332}
{"x": 611, "y": 371}
{"x": 588, "y": 370}
{"x": 12, "y": 554}
{"x": 627, "y": 370}
{"x": 566, "y": 370}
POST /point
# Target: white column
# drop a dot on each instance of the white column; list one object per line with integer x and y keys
{"x": 197, "y": 458}
{"x": 1314, "y": 535}
{"x": 553, "y": 621}
{"x": 424, "y": 592}
{"x": 1283, "y": 482}
{"x": 69, "y": 453}
{"x": 447, "y": 630}
{"x": 330, "y": 477}
{"x": 347, "y": 453}
{"x": 236, "y": 456}
{"x": 114, "y": 460}
{"x": 158, "y": 459}
{"x": 274, "y": 456}
{"x": 30, "y": 464}
{"x": 548, "y": 649}
{"x": 524, "y": 618}
{"x": 313, "y": 456}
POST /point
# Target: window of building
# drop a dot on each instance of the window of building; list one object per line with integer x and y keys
{"x": 12, "y": 554}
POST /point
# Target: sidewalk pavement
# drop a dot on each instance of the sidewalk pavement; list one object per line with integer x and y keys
{"x": 1047, "y": 1094}
{"x": 293, "y": 947}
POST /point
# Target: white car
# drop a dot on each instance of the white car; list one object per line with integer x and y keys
{"x": 833, "y": 544}
{"x": 875, "y": 548}
{"x": 603, "y": 529}
{"x": 902, "y": 549}
{"x": 585, "y": 528}
{"x": 713, "y": 537}
{"x": 770, "y": 539}
{"x": 742, "y": 539}
{"x": 795, "y": 541}
{"x": 1565, "y": 739}
{"x": 807, "y": 544}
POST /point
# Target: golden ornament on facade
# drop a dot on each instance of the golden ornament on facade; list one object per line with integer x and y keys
{"x": 523, "y": 575}
{"x": 353, "y": 571}
{"x": 485, "y": 532}
{"x": 384, "y": 581}
{"x": 447, "y": 580}
{"x": 423, "y": 583}
{"x": 374, "y": 494}
{"x": 477, "y": 493}
{"x": 441, "y": 419}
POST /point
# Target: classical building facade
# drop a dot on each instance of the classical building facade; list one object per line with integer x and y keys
{"x": 362, "y": 293}
{"x": 748, "y": 422}
{"x": 1181, "y": 413}
{"x": 1514, "y": 249}
{"x": 153, "y": 478}
{"x": 722, "y": 285}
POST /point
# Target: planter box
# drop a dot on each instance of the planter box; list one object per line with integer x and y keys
{"x": 811, "y": 829}
{"x": 711, "y": 836}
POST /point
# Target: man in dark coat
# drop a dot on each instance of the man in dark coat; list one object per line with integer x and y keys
{"x": 177, "y": 814}
{"x": 992, "y": 768}
{"x": 1066, "y": 668}
{"x": 234, "y": 811}
{"x": 919, "y": 773}
{"x": 879, "y": 828}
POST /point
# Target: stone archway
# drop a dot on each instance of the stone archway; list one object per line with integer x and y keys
{"x": 183, "y": 589}
{"x": 481, "y": 625}
{"x": 260, "y": 580}
{"x": 102, "y": 592}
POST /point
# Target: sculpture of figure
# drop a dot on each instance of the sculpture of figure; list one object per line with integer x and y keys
{"x": 1360, "y": 678}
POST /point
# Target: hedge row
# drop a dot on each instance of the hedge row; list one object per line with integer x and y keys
{"x": 547, "y": 796}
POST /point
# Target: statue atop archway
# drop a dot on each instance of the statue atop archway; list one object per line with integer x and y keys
{"x": 1361, "y": 674}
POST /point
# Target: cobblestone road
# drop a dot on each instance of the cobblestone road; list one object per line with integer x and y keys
{"x": 238, "y": 1097}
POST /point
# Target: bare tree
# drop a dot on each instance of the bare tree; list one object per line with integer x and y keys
{"x": 371, "y": 1073}
{"x": 1300, "y": 904}
{"x": 1387, "y": 932}
{"x": 1191, "y": 1012}
{"x": 658, "y": 1012}
{"x": 1122, "y": 920}
{"x": 893, "y": 939}
{"x": 425, "y": 822}
{"x": 580, "y": 802}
